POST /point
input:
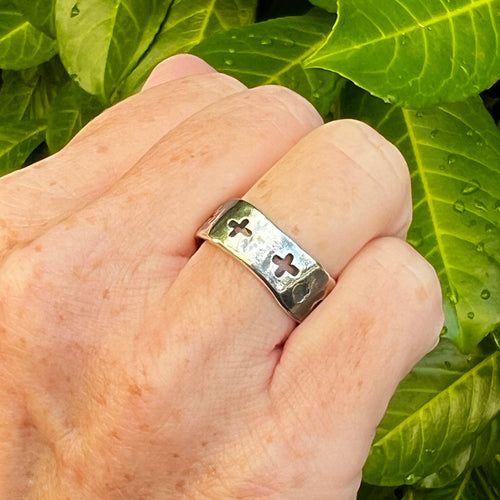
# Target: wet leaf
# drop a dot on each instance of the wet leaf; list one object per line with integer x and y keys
{"x": 482, "y": 450}
{"x": 273, "y": 52}
{"x": 437, "y": 412}
{"x": 473, "y": 485}
{"x": 414, "y": 52}
{"x": 101, "y": 41}
{"x": 453, "y": 152}
{"x": 188, "y": 23}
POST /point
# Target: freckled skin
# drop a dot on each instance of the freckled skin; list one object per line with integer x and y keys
{"x": 136, "y": 365}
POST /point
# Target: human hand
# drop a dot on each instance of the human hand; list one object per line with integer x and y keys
{"x": 136, "y": 366}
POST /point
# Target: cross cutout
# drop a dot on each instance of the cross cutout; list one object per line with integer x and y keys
{"x": 285, "y": 266}
{"x": 239, "y": 227}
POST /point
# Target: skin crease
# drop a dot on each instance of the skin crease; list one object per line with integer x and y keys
{"x": 136, "y": 365}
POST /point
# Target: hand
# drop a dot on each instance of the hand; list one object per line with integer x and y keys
{"x": 135, "y": 366}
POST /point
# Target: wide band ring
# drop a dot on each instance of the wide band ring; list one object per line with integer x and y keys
{"x": 295, "y": 279}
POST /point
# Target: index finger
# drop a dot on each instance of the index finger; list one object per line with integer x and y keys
{"x": 37, "y": 197}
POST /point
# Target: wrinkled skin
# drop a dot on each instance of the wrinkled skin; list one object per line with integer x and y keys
{"x": 136, "y": 365}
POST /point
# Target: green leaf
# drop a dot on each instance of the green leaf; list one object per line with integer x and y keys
{"x": 328, "y": 5}
{"x": 491, "y": 472}
{"x": 415, "y": 52}
{"x": 187, "y": 24}
{"x": 17, "y": 140}
{"x": 21, "y": 44}
{"x": 27, "y": 94}
{"x": 273, "y": 52}
{"x": 453, "y": 152}
{"x": 437, "y": 411}
{"x": 370, "y": 492}
{"x": 101, "y": 41}
{"x": 473, "y": 485}
{"x": 40, "y": 13}
{"x": 71, "y": 110}
{"x": 482, "y": 450}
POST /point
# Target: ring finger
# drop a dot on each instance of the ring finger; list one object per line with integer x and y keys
{"x": 340, "y": 187}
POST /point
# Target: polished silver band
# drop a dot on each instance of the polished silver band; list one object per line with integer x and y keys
{"x": 296, "y": 280}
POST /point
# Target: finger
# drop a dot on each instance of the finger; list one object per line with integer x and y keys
{"x": 113, "y": 260}
{"x": 133, "y": 241}
{"x": 39, "y": 196}
{"x": 178, "y": 66}
{"x": 339, "y": 188}
{"x": 191, "y": 170}
{"x": 339, "y": 368}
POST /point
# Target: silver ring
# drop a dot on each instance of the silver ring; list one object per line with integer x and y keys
{"x": 296, "y": 280}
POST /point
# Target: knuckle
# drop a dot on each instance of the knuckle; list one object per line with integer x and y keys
{"x": 219, "y": 84}
{"x": 380, "y": 163}
{"x": 19, "y": 277}
{"x": 158, "y": 102}
{"x": 414, "y": 276}
{"x": 288, "y": 100}
{"x": 370, "y": 151}
{"x": 23, "y": 266}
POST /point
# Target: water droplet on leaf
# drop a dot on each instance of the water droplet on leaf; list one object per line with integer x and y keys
{"x": 447, "y": 364}
{"x": 75, "y": 10}
{"x": 489, "y": 227}
{"x": 465, "y": 69}
{"x": 404, "y": 39}
{"x": 419, "y": 114}
{"x": 480, "y": 247}
{"x": 470, "y": 133}
{"x": 451, "y": 159}
{"x": 228, "y": 62}
{"x": 452, "y": 297}
{"x": 470, "y": 315}
{"x": 471, "y": 187}
{"x": 434, "y": 133}
{"x": 459, "y": 206}
{"x": 444, "y": 330}
{"x": 480, "y": 205}
{"x": 485, "y": 294}
{"x": 231, "y": 51}
{"x": 266, "y": 41}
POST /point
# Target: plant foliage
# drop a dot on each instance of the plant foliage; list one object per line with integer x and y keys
{"x": 418, "y": 71}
